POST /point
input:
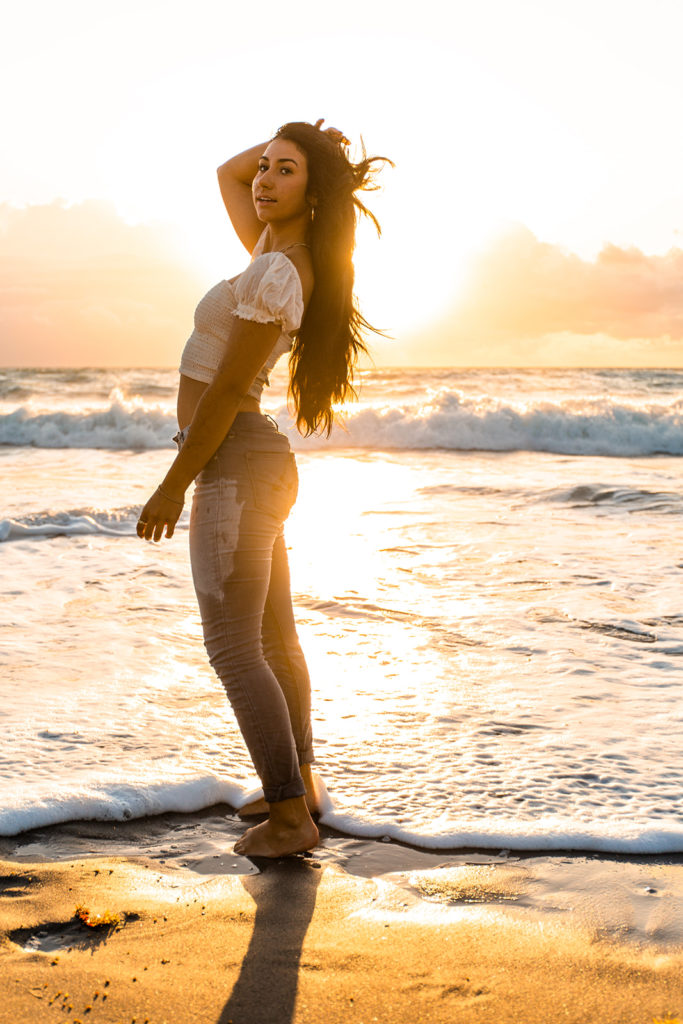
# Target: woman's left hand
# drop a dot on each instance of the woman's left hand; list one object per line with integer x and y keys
{"x": 333, "y": 133}
{"x": 159, "y": 512}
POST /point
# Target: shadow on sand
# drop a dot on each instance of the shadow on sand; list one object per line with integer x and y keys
{"x": 284, "y": 893}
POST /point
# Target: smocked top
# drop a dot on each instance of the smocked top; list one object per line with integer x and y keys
{"x": 268, "y": 291}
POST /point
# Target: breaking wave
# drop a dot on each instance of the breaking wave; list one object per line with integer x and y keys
{"x": 447, "y": 420}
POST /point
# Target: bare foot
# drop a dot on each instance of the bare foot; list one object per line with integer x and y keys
{"x": 276, "y": 840}
{"x": 256, "y": 807}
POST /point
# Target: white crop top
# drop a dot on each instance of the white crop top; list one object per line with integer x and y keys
{"x": 268, "y": 291}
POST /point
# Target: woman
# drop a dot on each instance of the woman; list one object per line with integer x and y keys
{"x": 292, "y": 202}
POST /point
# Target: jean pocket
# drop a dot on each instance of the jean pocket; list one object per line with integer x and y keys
{"x": 274, "y": 481}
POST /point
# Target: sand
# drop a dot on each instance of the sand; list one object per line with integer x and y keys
{"x": 360, "y": 931}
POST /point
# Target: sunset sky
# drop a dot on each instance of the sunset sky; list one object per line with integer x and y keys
{"x": 534, "y": 216}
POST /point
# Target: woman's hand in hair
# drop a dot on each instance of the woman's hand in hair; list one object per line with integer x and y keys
{"x": 333, "y": 133}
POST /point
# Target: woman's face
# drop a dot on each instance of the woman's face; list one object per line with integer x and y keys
{"x": 279, "y": 188}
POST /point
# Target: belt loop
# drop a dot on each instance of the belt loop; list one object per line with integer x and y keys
{"x": 274, "y": 422}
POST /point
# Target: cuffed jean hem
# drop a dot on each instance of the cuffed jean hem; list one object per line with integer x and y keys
{"x": 292, "y": 789}
{"x": 276, "y": 794}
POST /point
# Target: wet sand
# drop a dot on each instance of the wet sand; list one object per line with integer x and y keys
{"x": 359, "y": 931}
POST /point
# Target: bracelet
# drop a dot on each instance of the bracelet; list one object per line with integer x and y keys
{"x": 169, "y": 498}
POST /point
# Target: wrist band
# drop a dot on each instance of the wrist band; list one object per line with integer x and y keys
{"x": 169, "y": 498}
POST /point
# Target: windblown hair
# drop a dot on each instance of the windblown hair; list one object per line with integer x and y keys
{"x": 329, "y": 341}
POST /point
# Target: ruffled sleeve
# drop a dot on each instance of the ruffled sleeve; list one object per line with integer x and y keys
{"x": 269, "y": 291}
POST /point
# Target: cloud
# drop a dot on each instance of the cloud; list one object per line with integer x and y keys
{"x": 522, "y": 285}
{"x": 528, "y": 302}
{"x": 79, "y": 286}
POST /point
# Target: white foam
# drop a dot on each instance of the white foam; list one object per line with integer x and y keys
{"x": 122, "y": 801}
{"x": 114, "y": 801}
{"x": 121, "y": 425}
{"x": 451, "y": 420}
{"x": 11, "y": 529}
{"x": 545, "y": 833}
{"x": 447, "y": 419}
{"x": 119, "y": 522}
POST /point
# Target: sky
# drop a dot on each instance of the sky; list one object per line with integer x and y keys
{"x": 533, "y": 216}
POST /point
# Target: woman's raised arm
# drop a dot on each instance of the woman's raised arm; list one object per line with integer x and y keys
{"x": 234, "y": 178}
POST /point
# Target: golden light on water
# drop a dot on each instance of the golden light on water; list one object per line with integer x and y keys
{"x": 333, "y": 528}
{"x": 359, "y": 551}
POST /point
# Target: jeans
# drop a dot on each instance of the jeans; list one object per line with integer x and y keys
{"x": 241, "y": 575}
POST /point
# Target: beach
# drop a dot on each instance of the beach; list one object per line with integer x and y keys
{"x": 360, "y": 931}
{"x": 489, "y": 603}
{"x": 483, "y": 552}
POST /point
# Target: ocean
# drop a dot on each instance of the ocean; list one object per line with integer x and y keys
{"x": 486, "y": 571}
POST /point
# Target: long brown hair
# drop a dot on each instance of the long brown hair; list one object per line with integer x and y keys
{"x": 328, "y": 343}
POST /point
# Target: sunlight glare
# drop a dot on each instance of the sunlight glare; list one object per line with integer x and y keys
{"x": 355, "y": 563}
